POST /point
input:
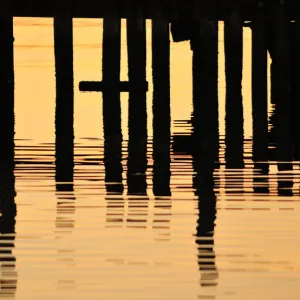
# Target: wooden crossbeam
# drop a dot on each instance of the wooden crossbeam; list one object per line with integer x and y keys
{"x": 100, "y": 86}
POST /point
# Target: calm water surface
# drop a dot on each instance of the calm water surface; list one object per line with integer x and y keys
{"x": 73, "y": 241}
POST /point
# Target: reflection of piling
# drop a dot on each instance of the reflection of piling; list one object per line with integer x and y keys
{"x": 233, "y": 43}
{"x": 64, "y": 163}
{"x": 285, "y": 179}
{"x": 63, "y": 47}
{"x": 261, "y": 178}
{"x": 113, "y": 165}
{"x": 282, "y": 83}
{"x": 6, "y": 79}
{"x": 137, "y": 120}
{"x": 161, "y": 105}
{"x": 204, "y": 189}
{"x": 259, "y": 87}
{"x": 204, "y": 43}
{"x": 8, "y": 276}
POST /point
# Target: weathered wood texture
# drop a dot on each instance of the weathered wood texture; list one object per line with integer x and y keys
{"x": 171, "y": 8}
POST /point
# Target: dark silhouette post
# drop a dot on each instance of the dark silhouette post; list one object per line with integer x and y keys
{"x": 6, "y": 79}
{"x": 64, "y": 112}
{"x": 259, "y": 85}
{"x": 296, "y": 112}
{"x": 204, "y": 43}
{"x": 111, "y": 59}
{"x": 137, "y": 116}
{"x": 233, "y": 43}
{"x": 282, "y": 86}
{"x": 161, "y": 104}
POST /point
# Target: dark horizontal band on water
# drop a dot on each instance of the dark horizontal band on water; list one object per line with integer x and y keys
{"x": 123, "y": 86}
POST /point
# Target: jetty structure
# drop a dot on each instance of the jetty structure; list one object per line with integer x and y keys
{"x": 275, "y": 26}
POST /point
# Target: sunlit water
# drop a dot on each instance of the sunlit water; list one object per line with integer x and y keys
{"x": 83, "y": 244}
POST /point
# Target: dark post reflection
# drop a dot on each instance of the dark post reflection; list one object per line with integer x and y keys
{"x": 203, "y": 183}
{"x": 64, "y": 182}
{"x": 205, "y": 137}
{"x": 8, "y": 210}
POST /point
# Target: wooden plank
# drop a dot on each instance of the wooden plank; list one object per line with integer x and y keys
{"x": 137, "y": 106}
{"x": 161, "y": 104}
{"x": 99, "y": 9}
{"x": 123, "y": 86}
{"x": 259, "y": 86}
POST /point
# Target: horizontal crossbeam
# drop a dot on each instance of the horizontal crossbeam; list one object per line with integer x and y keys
{"x": 123, "y": 86}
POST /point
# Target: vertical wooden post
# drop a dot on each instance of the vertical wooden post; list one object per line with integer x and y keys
{"x": 111, "y": 99}
{"x": 6, "y": 81}
{"x": 259, "y": 86}
{"x": 161, "y": 104}
{"x": 296, "y": 113}
{"x": 64, "y": 112}
{"x": 233, "y": 43}
{"x": 204, "y": 43}
{"x": 282, "y": 84}
{"x": 137, "y": 116}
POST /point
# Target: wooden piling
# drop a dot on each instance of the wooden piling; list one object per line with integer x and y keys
{"x": 204, "y": 43}
{"x": 64, "y": 111}
{"x": 282, "y": 83}
{"x": 161, "y": 104}
{"x": 259, "y": 86}
{"x": 233, "y": 43}
{"x": 296, "y": 112}
{"x": 111, "y": 59}
{"x": 137, "y": 114}
{"x": 6, "y": 80}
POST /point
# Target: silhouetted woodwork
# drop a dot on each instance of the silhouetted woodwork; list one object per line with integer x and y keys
{"x": 137, "y": 108}
{"x": 6, "y": 79}
{"x": 259, "y": 86}
{"x": 161, "y": 105}
{"x": 233, "y": 43}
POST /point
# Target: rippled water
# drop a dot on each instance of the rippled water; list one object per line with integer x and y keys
{"x": 72, "y": 240}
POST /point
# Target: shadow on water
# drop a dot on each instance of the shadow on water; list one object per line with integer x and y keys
{"x": 8, "y": 209}
{"x": 203, "y": 184}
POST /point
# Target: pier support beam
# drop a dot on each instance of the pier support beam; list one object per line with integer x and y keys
{"x": 233, "y": 43}
{"x": 137, "y": 114}
{"x": 204, "y": 43}
{"x": 282, "y": 87}
{"x": 161, "y": 105}
{"x": 64, "y": 112}
{"x": 296, "y": 111}
{"x": 259, "y": 86}
{"x": 111, "y": 59}
{"x": 6, "y": 81}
